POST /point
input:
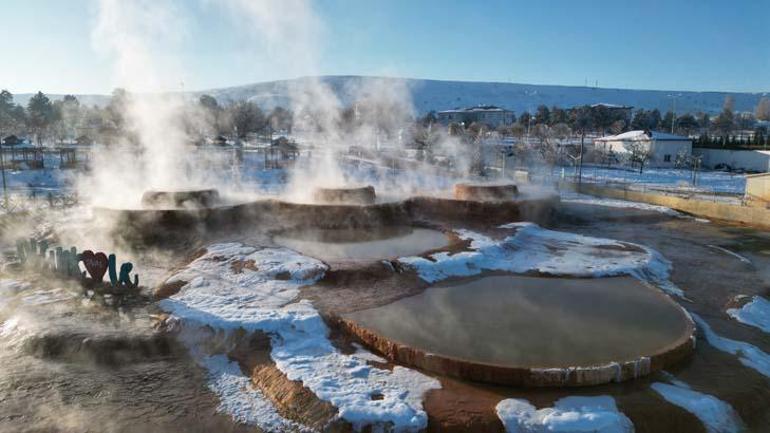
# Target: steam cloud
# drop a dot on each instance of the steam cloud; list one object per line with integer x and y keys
{"x": 143, "y": 37}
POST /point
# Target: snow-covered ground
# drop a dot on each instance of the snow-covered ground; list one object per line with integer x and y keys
{"x": 754, "y": 313}
{"x": 238, "y": 398}
{"x": 568, "y": 415}
{"x": 730, "y": 253}
{"x": 234, "y": 286}
{"x": 577, "y": 198}
{"x": 534, "y": 249}
{"x": 749, "y": 355}
{"x": 716, "y": 415}
{"x": 660, "y": 178}
{"x": 43, "y": 179}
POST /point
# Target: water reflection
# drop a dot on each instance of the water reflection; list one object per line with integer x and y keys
{"x": 362, "y": 244}
{"x": 74, "y": 365}
{"x": 527, "y": 321}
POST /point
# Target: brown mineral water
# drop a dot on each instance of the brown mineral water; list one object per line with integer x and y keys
{"x": 528, "y": 321}
{"x": 362, "y": 244}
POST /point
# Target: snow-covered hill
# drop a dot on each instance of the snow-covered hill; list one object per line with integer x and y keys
{"x": 438, "y": 95}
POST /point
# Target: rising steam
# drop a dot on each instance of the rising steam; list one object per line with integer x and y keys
{"x": 143, "y": 38}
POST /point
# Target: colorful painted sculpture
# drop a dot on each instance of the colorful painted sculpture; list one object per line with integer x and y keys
{"x": 65, "y": 263}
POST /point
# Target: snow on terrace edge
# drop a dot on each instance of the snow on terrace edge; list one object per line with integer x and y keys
{"x": 568, "y": 414}
{"x": 532, "y": 248}
{"x": 234, "y": 286}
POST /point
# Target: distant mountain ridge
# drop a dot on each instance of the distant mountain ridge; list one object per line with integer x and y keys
{"x": 437, "y": 95}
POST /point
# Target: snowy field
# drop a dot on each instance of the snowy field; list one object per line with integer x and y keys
{"x": 660, "y": 178}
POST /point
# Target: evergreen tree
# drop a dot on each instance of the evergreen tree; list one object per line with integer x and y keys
{"x": 6, "y": 112}
{"x": 724, "y": 123}
{"x": 40, "y": 115}
{"x": 542, "y": 115}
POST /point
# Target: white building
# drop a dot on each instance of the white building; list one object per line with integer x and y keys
{"x": 662, "y": 147}
{"x": 735, "y": 159}
{"x": 487, "y": 114}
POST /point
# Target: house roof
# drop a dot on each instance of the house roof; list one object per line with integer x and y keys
{"x": 476, "y": 109}
{"x": 612, "y": 106}
{"x": 641, "y": 135}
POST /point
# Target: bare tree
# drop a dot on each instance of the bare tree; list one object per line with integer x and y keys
{"x": 638, "y": 153}
{"x": 476, "y": 133}
{"x": 546, "y": 144}
{"x": 618, "y": 126}
{"x": 729, "y": 103}
{"x": 606, "y": 156}
{"x": 763, "y": 109}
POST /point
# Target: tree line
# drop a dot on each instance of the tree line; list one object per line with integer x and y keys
{"x": 66, "y": 120}
{"x": 727, "y": 128}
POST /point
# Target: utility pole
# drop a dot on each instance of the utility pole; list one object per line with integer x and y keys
{"x": 529, "y": 125}
{"x": 2, "y": 169}
{"x": 673, "y": 110}
{"x": 673, "y": 114}
{"x": 580, "y": 163}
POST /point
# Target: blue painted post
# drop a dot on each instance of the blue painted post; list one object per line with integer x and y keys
{"x": 114, "y": 281}
{"x": 21, "y": 252}
{"x": 74, "y": 259}
{"x": 59, "y": 263}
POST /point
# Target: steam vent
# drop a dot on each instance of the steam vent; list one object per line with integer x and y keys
{"x": 485, "y": 192}
{"x": 357, "y": 196}
{"x": 184, "y": 199}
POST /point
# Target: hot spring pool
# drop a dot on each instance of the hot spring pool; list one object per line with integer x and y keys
{"x": 533, "y": 322}
{"x": 362, "y": 244}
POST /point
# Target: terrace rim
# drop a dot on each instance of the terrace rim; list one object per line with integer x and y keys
{"x": 528, "y": 376}
{"x": 151, "y": 225}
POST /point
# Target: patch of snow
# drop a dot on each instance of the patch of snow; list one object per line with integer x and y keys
{"x": 716, "y": 415}
{"x": 748, "y": 354}
{"x": 245, "y": 403}
{"x": 535, "y": 249}
{"x": 570, "y": 414}
{"x": 576, "y": 198}
{"x": 754, "y": 313}
{"x": 261, "y": 298}
{"x": 10, "y": 328}
{"x": 225, "y": 299}
{"x": 41, "y": 297}
{"x": 731, "y": 253}
{"x": 664, "y": 178}
{"x": 362, "y": 353}
{"x": 10, "y": 288}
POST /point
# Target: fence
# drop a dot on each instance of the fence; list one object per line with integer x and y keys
{"x": 29, "y": 199}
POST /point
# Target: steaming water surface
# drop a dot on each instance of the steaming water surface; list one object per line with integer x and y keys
{"x": 362, "y": 244}
{"x": 527, "y": 321}
{"x": 74, "y": 365}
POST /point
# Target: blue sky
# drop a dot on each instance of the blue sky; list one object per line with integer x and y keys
{"x": 673, "y": 45}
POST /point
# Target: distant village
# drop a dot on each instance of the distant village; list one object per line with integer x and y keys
{"x": 606, "y": 134}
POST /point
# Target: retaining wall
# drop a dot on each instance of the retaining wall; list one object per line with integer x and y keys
{"x": 750, "y": 215}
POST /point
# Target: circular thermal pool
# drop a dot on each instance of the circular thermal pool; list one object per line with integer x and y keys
{"x": 362, "y": 244}
{"x": 184, "y": 199}
{"x": 352, "y": 195}
{"x": 485, "y": 192}
{"x": 531, "y": 331}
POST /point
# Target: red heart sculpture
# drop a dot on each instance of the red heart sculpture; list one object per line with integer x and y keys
{"x": 96, "y": 264}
